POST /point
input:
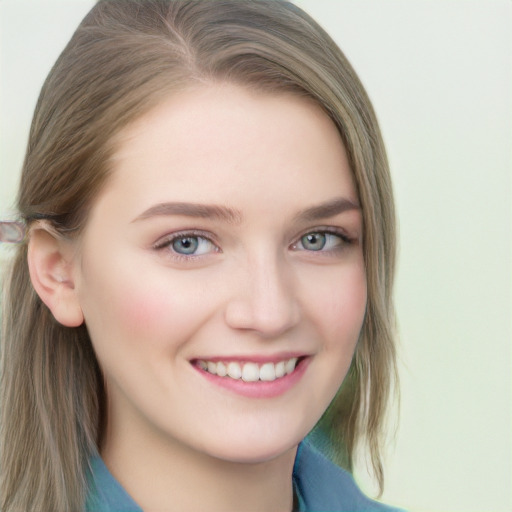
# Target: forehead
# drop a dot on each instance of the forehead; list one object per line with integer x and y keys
{"x": 222, "y": 142}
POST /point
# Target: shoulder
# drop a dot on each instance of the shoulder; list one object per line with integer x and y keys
{"x": 323, "y": 486}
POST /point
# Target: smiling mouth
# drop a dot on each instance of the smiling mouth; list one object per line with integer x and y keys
{"x": 250, "y": 371}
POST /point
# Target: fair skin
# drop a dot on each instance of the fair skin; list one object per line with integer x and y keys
{"x": 255, "y": 257}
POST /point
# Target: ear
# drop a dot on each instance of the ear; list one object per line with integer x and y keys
{"x": 50, "y": 263}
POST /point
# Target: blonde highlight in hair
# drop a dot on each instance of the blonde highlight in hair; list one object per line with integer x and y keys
{"x": 124, "y": 58}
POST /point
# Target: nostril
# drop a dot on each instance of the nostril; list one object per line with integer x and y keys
{"x": 264, "y": 299}
{"x": 269, "y": 320}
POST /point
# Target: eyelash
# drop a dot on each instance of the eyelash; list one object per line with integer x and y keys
{"x": 344, "y": 240}
{"x": 166, "y": 243}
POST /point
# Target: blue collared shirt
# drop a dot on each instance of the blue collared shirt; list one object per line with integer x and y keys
{"x": 320, "y": 486}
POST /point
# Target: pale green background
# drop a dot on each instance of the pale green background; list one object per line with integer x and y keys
{"x": 439, "y": 73}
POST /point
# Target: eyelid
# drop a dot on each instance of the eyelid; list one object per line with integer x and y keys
{"x": 329, "y": 230}
{"x": 167, "y": 240}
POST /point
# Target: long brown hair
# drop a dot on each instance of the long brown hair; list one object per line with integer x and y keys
{"x": 123, "y": 59}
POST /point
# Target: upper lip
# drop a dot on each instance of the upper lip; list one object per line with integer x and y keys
{"x": 253, "y": 358}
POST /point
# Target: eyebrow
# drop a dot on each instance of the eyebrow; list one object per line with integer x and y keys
{"x": 328, "y": 209}
{"x": 325, "y": 210}
{"x": 202, "y": 211}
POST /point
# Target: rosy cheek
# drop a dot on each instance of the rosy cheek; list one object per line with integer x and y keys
{"x": 141, "y": 313}
{"x": 154, "y": 310}
{"x": 344, "y": 308}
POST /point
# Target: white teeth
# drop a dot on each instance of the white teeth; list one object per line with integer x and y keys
{"x": 290, "y": 365}
{"x": 280, "y": 371}
{"x": 222, "y": 371}
{"x": 250, "y": 372}
{"x": 234, "y": 370}
{"x": 268, "y": 372}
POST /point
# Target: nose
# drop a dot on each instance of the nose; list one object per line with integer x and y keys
{"x": 263, "y": 298}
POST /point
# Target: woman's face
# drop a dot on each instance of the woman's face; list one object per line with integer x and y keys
{"x": 228, "y": 240}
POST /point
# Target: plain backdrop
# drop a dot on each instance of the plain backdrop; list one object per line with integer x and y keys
{"x": 439, "y": 74}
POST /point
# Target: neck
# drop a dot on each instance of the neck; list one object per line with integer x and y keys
{"x": 171, "y": 476}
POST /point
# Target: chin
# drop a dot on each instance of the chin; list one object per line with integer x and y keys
{"x": 254, "y": 449}
{"x": 254, "y": 456}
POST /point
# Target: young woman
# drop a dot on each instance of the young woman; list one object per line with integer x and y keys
{"x": 206, "y": 277}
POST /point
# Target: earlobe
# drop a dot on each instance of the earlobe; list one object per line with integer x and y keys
{"x": 51, "y": 272}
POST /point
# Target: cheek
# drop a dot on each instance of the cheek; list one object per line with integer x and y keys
{"x": 341, "y": 309}
{"x": 141, "y": 310}
{"x": 160, "y": 309}
{"x": 122, "y": 306}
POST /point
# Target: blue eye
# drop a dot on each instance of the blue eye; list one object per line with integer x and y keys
{"x": 321, "y": 241}
{"x": 186, "y": 245}
{"x": 314, "y": 241}
{"x": 192, "y": 245}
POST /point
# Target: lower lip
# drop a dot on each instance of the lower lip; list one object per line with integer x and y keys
{"x": 259, "y": 389}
